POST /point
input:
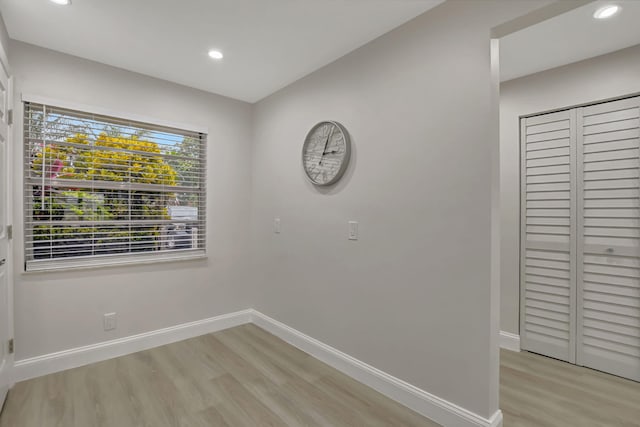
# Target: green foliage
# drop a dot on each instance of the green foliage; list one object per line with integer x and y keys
{"x": 187, "y": 167}
{"x": 108, "y": 157}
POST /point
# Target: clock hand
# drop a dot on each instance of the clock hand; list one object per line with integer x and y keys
{"x": 326, "y": 142}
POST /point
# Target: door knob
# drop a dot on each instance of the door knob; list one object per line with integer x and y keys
{"x": 609, "y": 250}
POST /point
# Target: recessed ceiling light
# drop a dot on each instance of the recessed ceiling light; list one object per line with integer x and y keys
{"x": 62, "y": 2}
{"x": 216, "y": 54}
{"x": 606, "y": 11}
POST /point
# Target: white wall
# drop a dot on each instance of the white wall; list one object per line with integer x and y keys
{"x": 62, "y": 310}
{"x": 599, "y": 78}
{"x": 412, "y": 296}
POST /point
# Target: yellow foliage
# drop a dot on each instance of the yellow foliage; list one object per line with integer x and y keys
{"x": 121, "y": 159}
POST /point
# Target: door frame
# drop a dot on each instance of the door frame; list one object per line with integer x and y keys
{"x": 9, "y": 170}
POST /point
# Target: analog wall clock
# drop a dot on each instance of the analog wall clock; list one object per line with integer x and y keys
{"x": 326, "y": 152}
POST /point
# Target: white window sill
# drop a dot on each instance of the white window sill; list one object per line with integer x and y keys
{"x": 80, "y": 263}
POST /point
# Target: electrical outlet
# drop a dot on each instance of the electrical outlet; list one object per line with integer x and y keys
{"x": 110, "y": 321}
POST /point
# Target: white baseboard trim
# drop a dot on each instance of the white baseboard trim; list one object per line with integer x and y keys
{"x": 433, "y": 407}
{"x": 509, "y": 341}
{"x": 55, "y": 362}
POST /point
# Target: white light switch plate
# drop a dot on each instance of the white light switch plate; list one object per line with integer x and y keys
{"x": 353, "y": 230}
{"x": 276, "y": 226}
{"x": 110, "y": 321}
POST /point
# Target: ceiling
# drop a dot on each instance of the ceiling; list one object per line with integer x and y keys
{"x": 570, "y": 37}
{"x": 267, "y": 44}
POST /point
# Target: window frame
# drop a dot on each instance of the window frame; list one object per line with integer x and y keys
{"x": 100, "y": 261}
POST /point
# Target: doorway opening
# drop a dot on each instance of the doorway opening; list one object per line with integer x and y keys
{"x": 570, "y": 218}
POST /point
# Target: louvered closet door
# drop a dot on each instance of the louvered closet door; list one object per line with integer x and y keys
{"x": 608, "y": 332}
{"x": 548, "y": 251}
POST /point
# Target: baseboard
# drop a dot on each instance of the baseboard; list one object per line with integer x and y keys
{"x": 55, "y": 362}
{"x": 509, "y": 341}
{"x": 433, "y": 407}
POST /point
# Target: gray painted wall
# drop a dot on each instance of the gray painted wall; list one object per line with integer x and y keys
{"x": 61, "y": 310}
{"x": 412, "y": 296}
{"x": 607, "y": 76}
{"x": 4, "y": 35}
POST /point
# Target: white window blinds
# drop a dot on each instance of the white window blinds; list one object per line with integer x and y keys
{"x": 102, "y": 190}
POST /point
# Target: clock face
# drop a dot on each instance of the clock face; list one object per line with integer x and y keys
{"x": 325, "y": 154}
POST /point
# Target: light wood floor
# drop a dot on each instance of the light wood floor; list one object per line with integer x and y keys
{"x": 239, "y": 377}
{"x": 540, "y": 391}
{"x": 247, "y": 377}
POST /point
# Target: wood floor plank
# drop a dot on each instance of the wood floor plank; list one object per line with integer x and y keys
{"x": 273, "y": 370}
{"x": 234, "y": 395}
{"x": 380, "y": 409}
{"x": 209, "y": 417}
{"x": 300, "y": 363}
{"x": 293, "y": 411}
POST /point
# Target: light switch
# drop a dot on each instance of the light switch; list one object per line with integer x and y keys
{"x": 276, "y": 225}
{"x": 110, "y": 321}
{"x": 353, "y": 230}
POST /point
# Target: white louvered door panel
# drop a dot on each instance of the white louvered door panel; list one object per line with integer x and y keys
{"x": 608, "y": 237}
{"x": 548, "y": 251}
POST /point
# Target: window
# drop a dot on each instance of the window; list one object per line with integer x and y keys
{"x": 102, "y": 190}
